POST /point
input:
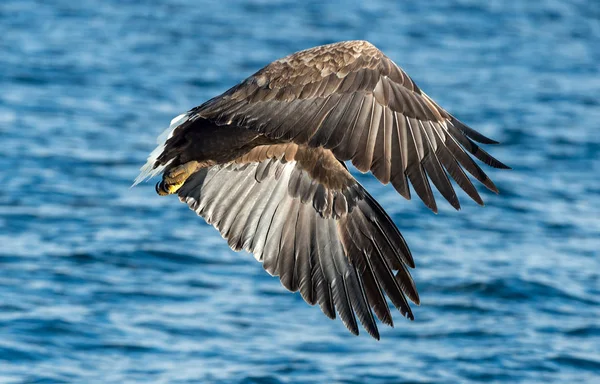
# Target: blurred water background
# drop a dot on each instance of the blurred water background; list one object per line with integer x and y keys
{"x": 103, "y": 283}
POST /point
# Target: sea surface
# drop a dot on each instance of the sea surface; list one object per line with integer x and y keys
{"x": 103, "y": 283}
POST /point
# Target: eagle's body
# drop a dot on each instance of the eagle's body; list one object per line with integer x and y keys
{"x": 264, "y": 164}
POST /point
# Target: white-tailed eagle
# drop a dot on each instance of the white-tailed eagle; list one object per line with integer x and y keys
{"x": 264, "y": 164}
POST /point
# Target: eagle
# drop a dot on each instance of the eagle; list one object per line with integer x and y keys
{"x": 264, "y": 163}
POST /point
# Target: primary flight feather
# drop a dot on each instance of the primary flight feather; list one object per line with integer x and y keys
{"x": 264, "y": 164}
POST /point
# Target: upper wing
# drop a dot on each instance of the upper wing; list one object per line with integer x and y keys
{"x": 350, "y": 98}
{"x": 314, "y": 227}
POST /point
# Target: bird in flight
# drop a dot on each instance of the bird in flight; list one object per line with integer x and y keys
{"x": 264, "y": 163}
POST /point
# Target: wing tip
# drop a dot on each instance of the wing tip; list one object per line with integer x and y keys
{"x": 373, "y": 332}
{"x": 471, "y": 133}
{"x": 503, "y": 166}
{"x": 433, "y": 207}
{"x": 409, "y": 315}
{"x": 353, "y": 330}
{"x": 455, "y": 204}
{"x": 410, "y": 261}
{"x": 416, "y": 299}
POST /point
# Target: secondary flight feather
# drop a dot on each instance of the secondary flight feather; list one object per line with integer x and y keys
{"x": 264, "y": 163}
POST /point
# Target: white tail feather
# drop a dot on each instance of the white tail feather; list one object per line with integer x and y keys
{"x": 148, "y": 171}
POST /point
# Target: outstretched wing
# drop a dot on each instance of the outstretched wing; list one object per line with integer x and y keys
{"x": 350, "y": 98}
{"x": 322, "y": 234}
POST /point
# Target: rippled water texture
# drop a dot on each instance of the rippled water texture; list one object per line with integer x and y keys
{"x": 103, "y": 283}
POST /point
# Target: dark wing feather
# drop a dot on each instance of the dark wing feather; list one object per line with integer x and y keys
{"x": 350, "y": 98}
{"x": 335, "y": 245}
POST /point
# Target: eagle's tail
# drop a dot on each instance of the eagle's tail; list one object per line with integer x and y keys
{"x": 152, "y": 166}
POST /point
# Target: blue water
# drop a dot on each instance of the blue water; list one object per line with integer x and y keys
{"x": 103, "y": 283}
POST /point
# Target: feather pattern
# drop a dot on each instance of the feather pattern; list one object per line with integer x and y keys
{"x": 351, "y": 98}
{"x": 339, "y": 253}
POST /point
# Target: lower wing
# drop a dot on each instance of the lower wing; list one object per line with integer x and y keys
{"x": 337, "y": 247}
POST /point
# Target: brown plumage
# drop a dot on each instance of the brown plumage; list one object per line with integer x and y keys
{"x": 264, "y": 164}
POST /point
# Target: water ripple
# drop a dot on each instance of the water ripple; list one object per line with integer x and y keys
{"x": 103, "y": 283}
